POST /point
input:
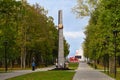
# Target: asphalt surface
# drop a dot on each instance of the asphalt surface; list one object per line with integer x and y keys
{"x": 4, "y": 76}
{"x": 84, "y": 72}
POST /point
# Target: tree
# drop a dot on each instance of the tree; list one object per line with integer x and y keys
{"x": 85, "y": 7}
{"x": 104, "y": 19}
{"x": 31, "y": 35}
{"x": 8, "y": 26}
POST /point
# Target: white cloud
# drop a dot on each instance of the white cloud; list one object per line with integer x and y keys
{"x": 74, "y": 35}
{"x": 73, "y": 28}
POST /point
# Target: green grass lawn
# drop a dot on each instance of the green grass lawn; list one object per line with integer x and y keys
{"x": 117, "y": 75}
{"x": 112, "y": 75}
{"x": 50, "y": 75}
{"x": 46, "y": 75}
{"x": 73, "y": 65}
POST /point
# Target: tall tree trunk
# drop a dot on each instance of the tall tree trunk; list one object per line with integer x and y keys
{"x": 111, "y": 64}
{"x": 24, "y": 59}
{"x": 22, "y": 51}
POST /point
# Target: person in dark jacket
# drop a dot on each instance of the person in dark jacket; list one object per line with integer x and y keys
{"x": 33, "y": 65}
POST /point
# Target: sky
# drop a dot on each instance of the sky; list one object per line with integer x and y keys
{"x": 73, "y": 27}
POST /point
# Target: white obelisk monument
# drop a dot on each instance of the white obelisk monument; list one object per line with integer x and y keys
{"x": 61, "y": 41}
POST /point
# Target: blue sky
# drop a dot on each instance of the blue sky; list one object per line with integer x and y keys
{"x": 73, "y": 27}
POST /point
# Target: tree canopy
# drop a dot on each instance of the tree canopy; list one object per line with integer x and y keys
{"x": 104, "y": 21}
{"x": 29, "y": 32}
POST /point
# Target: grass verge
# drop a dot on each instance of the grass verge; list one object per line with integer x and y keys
{"x": 99, "y": 67}
{"x": 50, "y": 75}
{"x": 46, "y": 75}
{"x": 73, "y": 65}
{"x": 117, "y": 75}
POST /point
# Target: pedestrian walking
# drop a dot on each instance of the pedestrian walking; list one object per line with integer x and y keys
{"x": 33, "y": 66}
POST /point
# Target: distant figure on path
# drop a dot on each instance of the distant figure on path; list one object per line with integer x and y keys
{"x": 33, "y": 65}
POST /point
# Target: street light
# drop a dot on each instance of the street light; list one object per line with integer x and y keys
{"x": 5, "y": 44}
{"x": 115, "y": 47}
{"x": 107, "y": 56}
{"x": 104, "y": 60}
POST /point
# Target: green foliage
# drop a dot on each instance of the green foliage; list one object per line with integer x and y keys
{"x": 66, "y": 48}
{"x": 29, "y": 33}
{"x": 99, "y": 39}
{"x": 9, "y": 10}
{"x": 48, "y": 75}
{"x": 85, "y": 7}
{"x": 73, "y": 65}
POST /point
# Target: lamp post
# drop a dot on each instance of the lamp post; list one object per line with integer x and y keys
{"x": 5, "y": 44}
{"x": 104, "y": 60}
{"x": 107, "y": 56}
{"x": 115, "y": 47}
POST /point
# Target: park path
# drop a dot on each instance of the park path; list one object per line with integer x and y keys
{"x": 4, "y": 76}
{"x": 84, "y": 72}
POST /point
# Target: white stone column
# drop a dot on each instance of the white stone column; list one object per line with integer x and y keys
{"x": 61, "y": 41}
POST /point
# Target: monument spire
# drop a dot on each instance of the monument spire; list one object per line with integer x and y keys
{"x": 61, "y": 41}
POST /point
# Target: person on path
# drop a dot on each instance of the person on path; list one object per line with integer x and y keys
{"x": 33, "y": 66}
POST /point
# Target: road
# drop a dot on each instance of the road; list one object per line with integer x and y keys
{"x": 4, "y": 76}
{"x": 85, "y": 72}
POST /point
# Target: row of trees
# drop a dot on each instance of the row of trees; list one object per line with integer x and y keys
{"x": 29, "y": 34}
{"x": 102, "y": 41}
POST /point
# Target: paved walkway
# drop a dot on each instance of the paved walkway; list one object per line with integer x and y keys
{"x": 84, "y": 72}
{"x": 4, "y": 76}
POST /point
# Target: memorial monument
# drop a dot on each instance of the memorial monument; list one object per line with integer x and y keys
{"x": 61, "y": 41}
